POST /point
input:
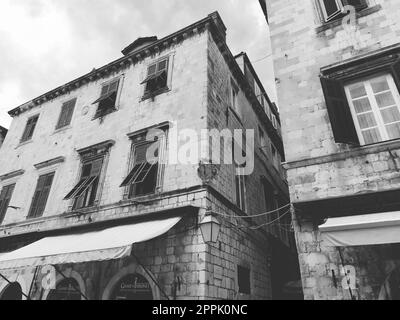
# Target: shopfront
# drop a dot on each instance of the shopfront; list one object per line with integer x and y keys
{"x": 98, "y": 254}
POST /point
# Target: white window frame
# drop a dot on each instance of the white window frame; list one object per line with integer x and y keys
{"x": 241, "y": 180}
{"x": 374, "y": 105}
{"x": 325, "y": 13}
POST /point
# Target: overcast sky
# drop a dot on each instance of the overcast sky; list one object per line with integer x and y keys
{"x": 46, "y": 43}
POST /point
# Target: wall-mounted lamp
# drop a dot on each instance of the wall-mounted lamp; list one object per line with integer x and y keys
{"x": 210, "y": 228}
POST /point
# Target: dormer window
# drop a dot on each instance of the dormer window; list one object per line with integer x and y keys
{"x": 156, "y": 81}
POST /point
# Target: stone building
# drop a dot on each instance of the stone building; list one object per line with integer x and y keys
{"x": 338, "y": 79}
{"x": 3, "y": 133}
{"x": 95, "y": 206}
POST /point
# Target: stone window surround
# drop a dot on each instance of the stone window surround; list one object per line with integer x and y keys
{"x": 338, "y": 22}
{"x": 354, "y": 68}
{"x": 121, "y": 79}
{"x": 171, "y": 58}
{"x": 163, "y": 150}
{"x": 103, "y": 149}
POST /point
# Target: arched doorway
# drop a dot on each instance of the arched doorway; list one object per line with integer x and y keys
{"x": 65, "y": 290}
{"x": 132, "y": 287}
{"x": 12, "y": 292}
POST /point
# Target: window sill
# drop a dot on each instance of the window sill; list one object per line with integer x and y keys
{"x": 353, "y": 152}
{"x": 335, "y": 23}
{"x": 59, "y": 130}
{"x": 21, "y": 144}
{"x": 155, "y": 93}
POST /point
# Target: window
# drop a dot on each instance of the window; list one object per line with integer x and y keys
{"x": 240, "y": 179}
{"x": 67, "y": 110}
{"x": 66, "y": 290}
{"x": 85, "y": 192}
{"x": 263, "y": 140}
{"x": 375, "y": 106}
{"x": 234, "y": 97}
{"x": 145, "y": 175}
{"x": 156, "y": 81}
{"x": 41, "y": 195}
{"x": 108, "y": 99}
{"x": 5, "y": 198}
{"x": 244, "y": 280}
{"x": 334, "y": 9}
{"x": 30, "y": 128}
{"x": 362, "y": 98}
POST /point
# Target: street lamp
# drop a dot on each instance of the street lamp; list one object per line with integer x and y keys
{"x": 210, "y": 228}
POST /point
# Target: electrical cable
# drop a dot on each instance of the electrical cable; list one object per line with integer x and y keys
{"x": 254, "y": 216}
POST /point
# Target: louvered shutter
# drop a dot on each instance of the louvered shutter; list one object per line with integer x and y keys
{"x": 339, "y": 112}
{"x": 37, "y": 196}
{"x": 48, "y": 180}
{"x": 67, "y": 111}
{"x": 358, "y": 4}
{"x": 5, "y": 198}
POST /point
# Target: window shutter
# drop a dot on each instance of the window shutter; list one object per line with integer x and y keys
{"x": 36, "y": 197}
{"x": 358, "y": 4}
{"x": 396, "y": 73}
{"x": 339, "y": 112}
{"x": 67, "y": 111}
{"x": 332, "y": 8}
{"x": 96, "y": 168}
{"x": 48, "y": 180}
{"x": 5, "y": 198}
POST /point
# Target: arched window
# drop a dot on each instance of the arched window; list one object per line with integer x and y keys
{"x": 132, "y": 287}
{"x": 65, "y": 291}
{"x": 12, "y": 292}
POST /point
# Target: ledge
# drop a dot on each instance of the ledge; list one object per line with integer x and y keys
{"x": 49, "y": 163}
{"x": 355, "y": 152}
{"x": 335, "y": 23}
{"x": 102, "y": 145}
{"x": 12, "y": 175}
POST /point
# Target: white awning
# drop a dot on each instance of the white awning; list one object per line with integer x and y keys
{"x": 373, "y": 229}
{"x": 108, "y": 244}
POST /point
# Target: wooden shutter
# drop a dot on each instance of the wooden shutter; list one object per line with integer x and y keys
{"x": 339, "y": 112}
{"x": 331, "y": 8}
{"x": 395, "y": 68}
{"x": 41, "y": 195}
{"x": 67, "y": 111}
{"x": 357, "y": 4}
{"x": 29, "y": 129}
{"x": 5, "y": 198}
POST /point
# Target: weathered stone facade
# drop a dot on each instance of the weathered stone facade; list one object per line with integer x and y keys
{"x": 183, "y": 266}
{"x": 304, "y": 46}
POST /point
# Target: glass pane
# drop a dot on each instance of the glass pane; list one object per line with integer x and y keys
{"x": 390, "y": 115}
{"x": 385, "y": 99}
{"x": 367, "y": 120}
{"x": 362, "y": 105}
{"x": 372, "y": 136}
{"x": 357, "y": 90}
{"x": 152, "y": 69}
{"x": 379, "y": 85}
{"x": 393, "y": 130}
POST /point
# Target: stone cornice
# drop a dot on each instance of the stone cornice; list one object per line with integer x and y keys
{"x": 11, "y": 175}
{"x": 49, "y": 163}
{"x": 126, "y": 61}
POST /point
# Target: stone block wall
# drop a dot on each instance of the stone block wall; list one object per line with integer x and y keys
{"x": 318, "y": 167}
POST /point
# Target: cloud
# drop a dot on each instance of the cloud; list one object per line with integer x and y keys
{"x": 46, "y": 43}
